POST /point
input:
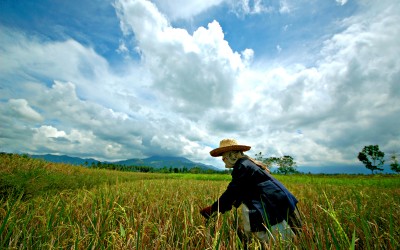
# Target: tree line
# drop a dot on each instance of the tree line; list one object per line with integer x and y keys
{"x": 148, "y": 169}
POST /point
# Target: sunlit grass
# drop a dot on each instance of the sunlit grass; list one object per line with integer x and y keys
{"x": 77, "y": 208}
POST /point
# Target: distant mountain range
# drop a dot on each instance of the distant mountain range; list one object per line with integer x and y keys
{"x": 65, "y": 159}
{"x": 153, "y": 161}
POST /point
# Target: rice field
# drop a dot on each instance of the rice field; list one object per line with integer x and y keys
{"x": 58, "y": 206}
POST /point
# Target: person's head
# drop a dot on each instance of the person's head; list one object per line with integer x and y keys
{"x": 230, "y": 151}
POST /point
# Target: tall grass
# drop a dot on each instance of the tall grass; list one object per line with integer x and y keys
{"x": 79, "y": 208}
{"x": 34, "y": 177}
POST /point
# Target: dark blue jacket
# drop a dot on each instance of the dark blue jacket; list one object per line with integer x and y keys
{"x": 269, "y": 202}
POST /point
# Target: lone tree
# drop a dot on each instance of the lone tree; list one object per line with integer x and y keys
{"x": 286, "y": 163}
{"x": 372, "y": 157}
{"x": 394, "y": 165}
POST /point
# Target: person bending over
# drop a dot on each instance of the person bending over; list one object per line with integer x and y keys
{"x": 268, "y": 207}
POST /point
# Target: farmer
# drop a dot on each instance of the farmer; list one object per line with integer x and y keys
{"x": 268, "y": 207}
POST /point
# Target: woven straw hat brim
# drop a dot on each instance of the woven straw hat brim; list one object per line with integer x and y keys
{"x": 219, "y": 151}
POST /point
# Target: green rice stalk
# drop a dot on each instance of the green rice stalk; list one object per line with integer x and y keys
{"x": 331, "y": 212}
{"x": 391, "y": 230}
{"x": 138, "y": 236}
{"x": 334, "y": 239}
{"x": 353, "y": 241}
{"x": 122, "y": 231}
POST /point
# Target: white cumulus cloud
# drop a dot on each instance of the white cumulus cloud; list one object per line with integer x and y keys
{"x": 21, "y": 108}
{"x": 186, "y": 69}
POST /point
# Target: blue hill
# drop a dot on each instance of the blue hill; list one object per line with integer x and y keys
{"x": 65, "y": 159}
{"x": 166, "y": 161}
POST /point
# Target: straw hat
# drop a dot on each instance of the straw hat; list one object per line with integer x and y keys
{"x": 228, "y": 145}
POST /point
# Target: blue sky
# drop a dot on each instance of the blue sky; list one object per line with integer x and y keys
{"x": 122, "y": 79}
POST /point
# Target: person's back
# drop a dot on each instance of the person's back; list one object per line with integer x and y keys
{"x": 268, "y": 201}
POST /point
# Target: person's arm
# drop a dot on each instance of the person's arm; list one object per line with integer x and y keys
{"x": 233, "y": 195}
{"x": 224, "y": 203}
{"x": 228, "y": 198}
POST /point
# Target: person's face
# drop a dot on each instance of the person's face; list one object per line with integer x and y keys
{"x": 226, "y": 158}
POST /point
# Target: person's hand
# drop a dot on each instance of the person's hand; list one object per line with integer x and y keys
{"x": 206, "y": 212}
